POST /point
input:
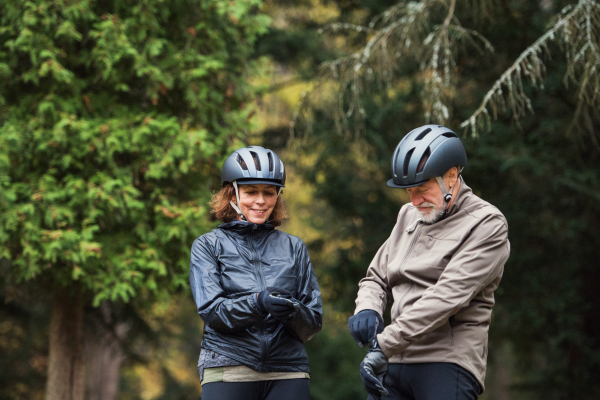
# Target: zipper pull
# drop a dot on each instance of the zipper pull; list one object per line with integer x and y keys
{"x": 254, "y": 227}
{"x": 412, "y": 228}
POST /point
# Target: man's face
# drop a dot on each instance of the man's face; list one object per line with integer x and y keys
{"x": 429, "y": 200}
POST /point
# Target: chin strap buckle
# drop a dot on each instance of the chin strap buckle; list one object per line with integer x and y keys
{"x": 447, "y": 196}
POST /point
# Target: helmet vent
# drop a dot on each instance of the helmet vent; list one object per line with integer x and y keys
{"x": 423, "y": 161}
{"x": 422, "y": 134}
{"x": 449, "y": 134}
{"x": 242, "y": 163}
{"x": 256, "y": 160}
{"x": 270, "y": 156}
{"x": 406, "y": 162}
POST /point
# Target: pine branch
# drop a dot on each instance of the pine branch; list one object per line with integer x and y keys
{"x": 578, "y": 28}
{"x": 373, "y": 63}
{"x": 403, "y": 31}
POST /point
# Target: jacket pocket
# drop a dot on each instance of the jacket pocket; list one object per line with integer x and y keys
{"x": 434, "y": 252}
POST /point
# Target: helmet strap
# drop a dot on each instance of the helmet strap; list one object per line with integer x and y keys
{"x": 447, "y": 195}
{"x": 237, "y": 197}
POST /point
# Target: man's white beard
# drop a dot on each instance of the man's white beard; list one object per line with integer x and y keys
{"x": 431, "y": 216}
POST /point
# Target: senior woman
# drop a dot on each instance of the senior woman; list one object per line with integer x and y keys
{"x": 254, "y": 288}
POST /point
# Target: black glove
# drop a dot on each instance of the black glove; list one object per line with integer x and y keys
{"x": 277, "y": 302}
{"x": 365, "y": 326}
{"x": 373, "y": 370}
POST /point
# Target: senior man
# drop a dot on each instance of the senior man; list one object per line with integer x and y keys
{"x": 441, "y": 265}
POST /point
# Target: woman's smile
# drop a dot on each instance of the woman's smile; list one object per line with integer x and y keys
{"x": 257, "y": 202}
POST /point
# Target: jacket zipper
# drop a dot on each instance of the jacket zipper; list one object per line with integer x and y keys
{"x": 417, "y": 233}
{"x": 263, "y": 336}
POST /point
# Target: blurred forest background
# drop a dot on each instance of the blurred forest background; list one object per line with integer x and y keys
{"x": 116, "y": 116}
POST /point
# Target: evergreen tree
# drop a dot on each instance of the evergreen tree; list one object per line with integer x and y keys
{"x": 114, "y": 119}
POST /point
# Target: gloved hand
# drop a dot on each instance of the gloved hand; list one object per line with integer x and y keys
{"x": 365, "y": 326}
{"x": 373, "y": 370}
{"x": 277, "y": 302}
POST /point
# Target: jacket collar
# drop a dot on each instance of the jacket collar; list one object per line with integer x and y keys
{"x": 462, "y": 198}
{"x": 243, "y": 227}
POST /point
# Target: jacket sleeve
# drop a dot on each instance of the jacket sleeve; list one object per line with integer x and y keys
{"x": 308, "y": 320}
{"x": 374, "y": 291}
{"x": 478, "y": 262}
{"x": 217, "y": 311}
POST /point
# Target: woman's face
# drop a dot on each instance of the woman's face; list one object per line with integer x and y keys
{"x": 257, "y": 202}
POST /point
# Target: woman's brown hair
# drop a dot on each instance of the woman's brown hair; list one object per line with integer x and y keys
{"x": 219, "y": 205}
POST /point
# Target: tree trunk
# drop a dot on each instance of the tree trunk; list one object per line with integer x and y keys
{"x": 66, "y": 369}
{"x": 104, "y": 331}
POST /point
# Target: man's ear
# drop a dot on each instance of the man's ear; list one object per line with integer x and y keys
{"x": 452, "y": 176}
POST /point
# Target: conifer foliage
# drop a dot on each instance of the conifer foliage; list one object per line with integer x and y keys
{"x": 114, "y": 118}
{"x": 430, "y": 33}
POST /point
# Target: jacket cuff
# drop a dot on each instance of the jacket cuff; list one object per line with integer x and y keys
{"x": 254, "y": 304}
{"x": 366, "y": 306}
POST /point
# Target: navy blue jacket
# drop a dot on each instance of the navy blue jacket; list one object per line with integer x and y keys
{"x": 232, "y": 263}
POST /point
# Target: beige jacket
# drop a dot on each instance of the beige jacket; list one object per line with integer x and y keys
{"x": 442, "y": 279}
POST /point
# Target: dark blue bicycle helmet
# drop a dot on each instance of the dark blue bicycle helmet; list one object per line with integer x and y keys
{"x": 424, "y": 153}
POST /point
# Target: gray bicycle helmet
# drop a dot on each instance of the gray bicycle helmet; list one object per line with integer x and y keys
{"x": 252, "y": 165}
{"x": 424, "y": 153}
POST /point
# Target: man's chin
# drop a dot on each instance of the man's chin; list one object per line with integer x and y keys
{"x": 431, "y": 217}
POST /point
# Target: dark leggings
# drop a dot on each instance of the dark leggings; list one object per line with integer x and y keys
{"x": 288, "y": 389}
{"x": 430, "y": 381}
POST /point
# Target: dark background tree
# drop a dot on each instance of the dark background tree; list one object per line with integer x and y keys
{"x": 540, "y": 170}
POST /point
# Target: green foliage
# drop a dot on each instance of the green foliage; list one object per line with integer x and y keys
{"x": 114, "y": 118}
{"x": 577, "y": 30}
{"x": 430, "y": 33}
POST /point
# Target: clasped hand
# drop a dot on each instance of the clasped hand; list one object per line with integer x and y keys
{"x": 373, "y": 370}
{"x": 278, "y": 302}
{"x": 364, "y": 328}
